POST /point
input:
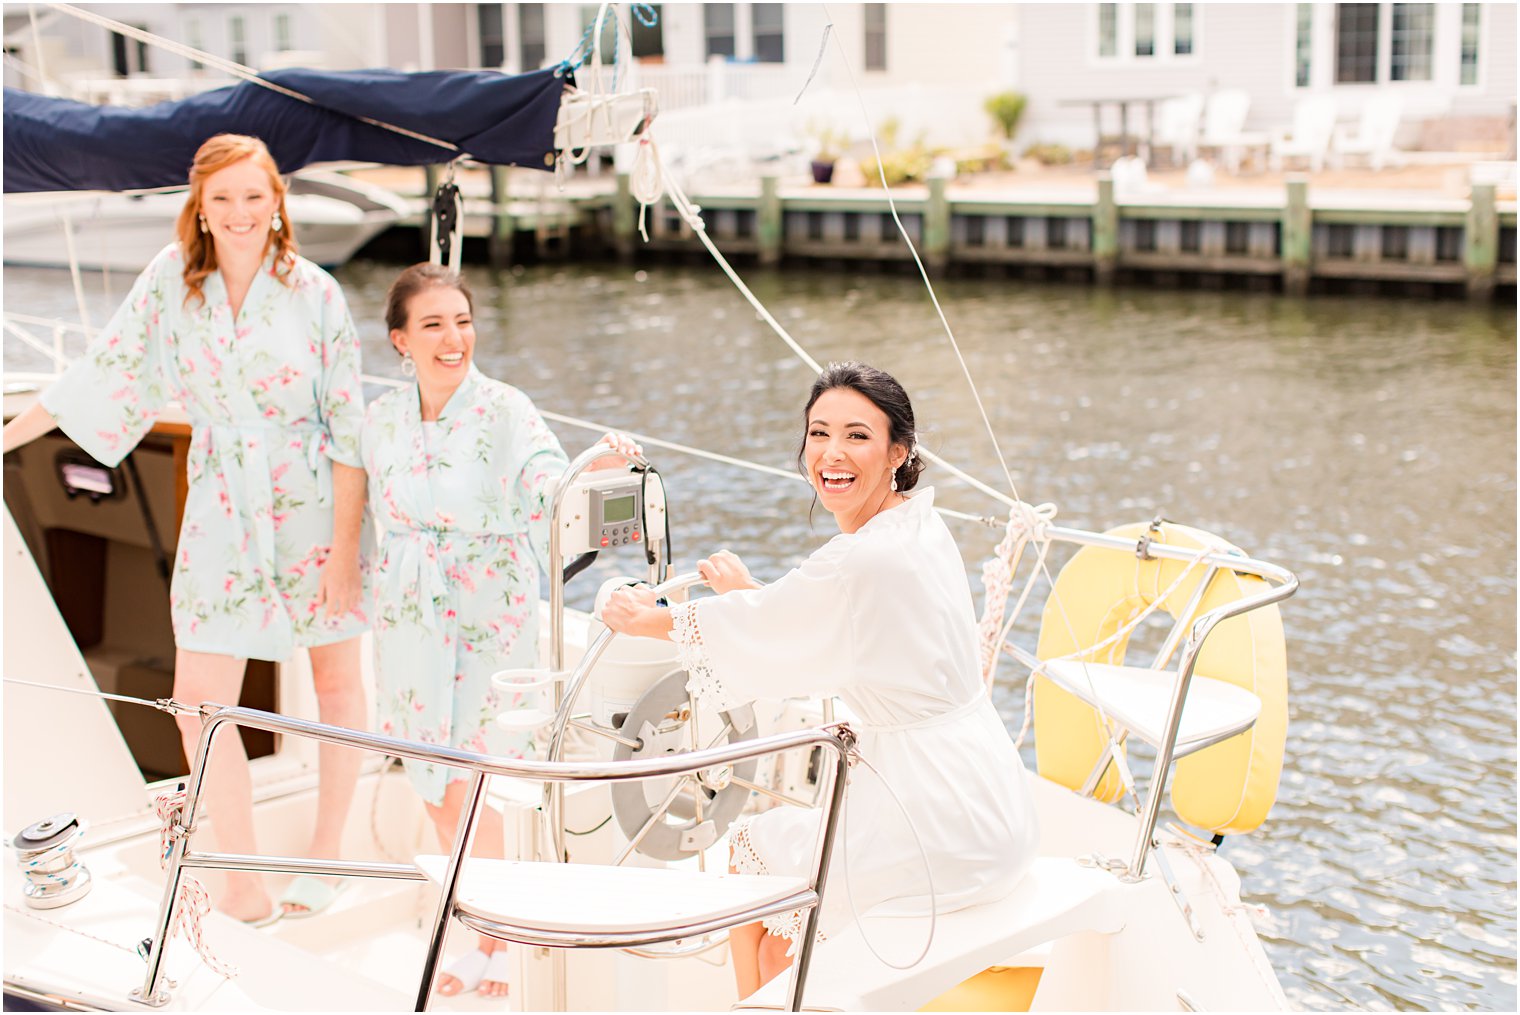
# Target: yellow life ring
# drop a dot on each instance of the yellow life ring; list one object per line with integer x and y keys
{"x": 1227, "y": 788}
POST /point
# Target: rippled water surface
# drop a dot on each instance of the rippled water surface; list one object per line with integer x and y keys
{"x": 1368, "y": 446}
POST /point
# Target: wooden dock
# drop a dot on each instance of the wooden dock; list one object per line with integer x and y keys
{"x": 1292, "y": 239}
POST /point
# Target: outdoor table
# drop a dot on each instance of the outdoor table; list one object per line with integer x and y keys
{"x": 1149, "y": 102}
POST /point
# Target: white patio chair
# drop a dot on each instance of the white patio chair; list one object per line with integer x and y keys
{"x": 1224, "y": 120}
{"x": 1309, "y": 137}
{"x": 1177, "y": 123}
{"x": 1374, "y": 133}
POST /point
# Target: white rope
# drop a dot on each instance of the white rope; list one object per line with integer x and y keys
{"x": 193, "y": 902}
{"x": 233, "y": 68}
{"x": 1026, "y": 523}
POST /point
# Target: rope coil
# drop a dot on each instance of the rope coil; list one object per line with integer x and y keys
{"x": 193, "y": 902}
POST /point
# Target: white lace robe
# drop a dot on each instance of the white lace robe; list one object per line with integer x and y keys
{"x": 883, "y": 618}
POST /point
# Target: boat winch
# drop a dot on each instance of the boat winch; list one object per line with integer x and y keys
{"x": 45, "y": 852}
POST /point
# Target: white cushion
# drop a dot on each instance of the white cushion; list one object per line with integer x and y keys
{"x": 1057, "y": 898}
{"x": 600, "y": 899}
{"x": 1138, "y": 698}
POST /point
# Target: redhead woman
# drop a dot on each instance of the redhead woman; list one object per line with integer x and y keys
{"x": 460, "y": 467}
{"x": 880, "y": 615}
{"x": 256, "y": 344}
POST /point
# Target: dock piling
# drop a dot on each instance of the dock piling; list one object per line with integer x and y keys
{"x": 624, "y": 220}
{"x": 937, "y": 226}
{"x": 1480, "y": 248}
{"x": 503, "y": 229}
{"x": 1297, "y": 237}
{"x": 1105, "y": 231}
{"x": 768, "y": 221}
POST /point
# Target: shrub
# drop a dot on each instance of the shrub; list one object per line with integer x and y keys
{"x": 1006, "y": 108}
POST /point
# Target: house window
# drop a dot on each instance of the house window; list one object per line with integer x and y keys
{"x": 1147, "y": 32}
{"x": 1108, "y": 29}
{"x": 1356, "y": 43}
{"x": 1303, "y": 45}
{"x": 1470, "y": 19}
{"x": 766, "y": 19}
{"x": 1145, "y": 29}
{"x": 237, "y": 34}
{"x": 193, "y": 37}
{"x": 1413, "y": 41}
{"x": 493, "y": 43}
{"x": 647, "y": 41}
{"x": 718, "y": 28}
{"x": 129, "y": 56}
{"x": 1182, "y": 29}
{"x": 282, "y": 39}
{"x": 530, "y": 36}
{"x": 876, "y": 36}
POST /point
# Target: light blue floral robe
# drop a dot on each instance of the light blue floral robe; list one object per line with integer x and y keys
{"x": 462, "y": 509}
{"x": 274, "y": 398}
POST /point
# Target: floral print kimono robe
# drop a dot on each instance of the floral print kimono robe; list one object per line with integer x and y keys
{"x": 883, "y": 618}
{"x": 274, "y": 398}
{"x": 463, "y": 514}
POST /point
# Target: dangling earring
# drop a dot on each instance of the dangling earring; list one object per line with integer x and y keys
{"x": 203, "y": 224}
{"x": 276, "y": 223}
{"x": 408, "y": 366}
{"x": 894, "y": 480}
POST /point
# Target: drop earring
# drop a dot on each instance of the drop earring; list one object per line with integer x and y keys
{"x": 408, "y": 365}
{"x": 276, "y": 223}
{"x": 203, "y": 224}
{"x": 894, "y": 480}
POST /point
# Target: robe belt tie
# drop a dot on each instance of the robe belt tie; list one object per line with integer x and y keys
{"x": 943, "y": 718}
{"x": 422, "y": 564}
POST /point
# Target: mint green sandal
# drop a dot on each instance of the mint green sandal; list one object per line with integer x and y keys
{"x": 313, "y": 893}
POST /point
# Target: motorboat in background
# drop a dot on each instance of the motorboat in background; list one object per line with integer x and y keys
{"x": 334, "y": 214}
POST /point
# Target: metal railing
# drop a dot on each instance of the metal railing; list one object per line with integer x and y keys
{"x": 1282, "y": 583}
{"x": 217, "y": 717}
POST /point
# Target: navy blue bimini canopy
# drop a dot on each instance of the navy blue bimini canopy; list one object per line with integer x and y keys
{"x": 57, "y": 144}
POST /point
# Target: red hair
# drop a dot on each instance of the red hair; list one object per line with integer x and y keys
{"x": 217, "y": 154}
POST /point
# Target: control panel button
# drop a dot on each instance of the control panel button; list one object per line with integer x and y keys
{"x": 635, "y": 537}
{"x": 605, "y": 541}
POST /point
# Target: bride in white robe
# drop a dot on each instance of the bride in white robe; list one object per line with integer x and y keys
{"x": 881, "y": 616}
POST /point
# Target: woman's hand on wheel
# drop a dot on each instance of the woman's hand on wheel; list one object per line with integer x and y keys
{"x": 339, "y": 586}
{"x": 725, "y": 572}
{"x": 629, "y": 610}
{"x": 621, "y": 443}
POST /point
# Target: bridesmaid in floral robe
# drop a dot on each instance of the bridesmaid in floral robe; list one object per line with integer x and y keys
{"x": 256, "y": 344}
{"x": 460, "y": 472}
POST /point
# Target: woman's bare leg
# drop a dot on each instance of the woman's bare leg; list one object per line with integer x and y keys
{"x": 227, "y": 791}
{"x": 490, "y": 841}
{"x": 773, "y": 957}
{"x": 744, "y": 946}
{"x": 340, "y": 702}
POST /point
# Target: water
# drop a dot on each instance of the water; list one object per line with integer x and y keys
{"x": 1368, "y": 446}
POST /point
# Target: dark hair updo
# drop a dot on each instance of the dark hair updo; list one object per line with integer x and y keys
{"x": 413, "y": 281}
{"x": 888, "y": 396}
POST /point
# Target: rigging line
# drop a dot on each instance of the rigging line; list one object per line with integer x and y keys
{"x": 162, "y": 704}
{"x": 688, "y": 212}
{"x": 237, "y": 70}
{"x": 714, "y": 456}
{"x": 955, "y": 345}
{"x": 923, "y": 273}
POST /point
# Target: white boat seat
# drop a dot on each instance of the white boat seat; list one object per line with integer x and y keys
{"x": 1057, "y": 898}
{"x": 1138, "y": 699}
{"x": 655, "y": 904}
